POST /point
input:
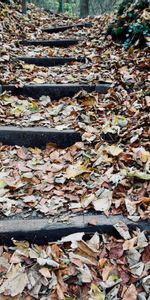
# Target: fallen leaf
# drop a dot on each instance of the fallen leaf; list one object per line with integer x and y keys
{"x": 140, "y": 175}
{"x": 85, "y": 275}
{"x": 87, "y": 252}
{"x": 95, "y": 293}
{"x": 94, "y": 241}
{"x": 39, "y": 80}
{"x": 73, "y": 238}
{"x": 21, "y": 154}
{"x": 131, "y": 293}
{"x": 76, "y": 170}
{"x": 129, "y": 244}
{"x": 114, "y": 150}
{"x": 146, "y": 284}
{"x": 103, "y": 201}
{"x": 86, "y": 200}
{"x": 45, "y": 272}
{"x": 137, "y": 269}
{"x": 47, "y": 261}
{"x": 16, "y": 282}
{"x": 28, "y": 67}
{"x": 146, "y": 255}
{"x": 123, "y": 230}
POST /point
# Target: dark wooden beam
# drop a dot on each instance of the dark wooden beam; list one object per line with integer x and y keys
{"x": 64, "y": 28}
{"x": 50, "y": 61}
{"x": 41, "y": 231}
{"x": 55, "y": 91}
{"x": 37, "y": 136}
{"x": 50, "y": 43}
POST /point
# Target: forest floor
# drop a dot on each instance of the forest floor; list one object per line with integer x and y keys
{"x": 107, "y": 172}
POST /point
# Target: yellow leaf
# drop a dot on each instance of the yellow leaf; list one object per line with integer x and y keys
{"x": 113, "y": 278}
{"x": 22, "y": 247}
{"x": 39, "y": 80}
{"x": 75, "y": 170}
{"x": 28, "y": 67}
{"x": 145, "y": 156}
{"x": 86, "y": 200}
{"x": 146, "y": 15}
{"x": 131, "y": 50}
{"x": 33, "y": 106}
{"x": 120, "y": 121}
{"x": 8, "y": 99}
{"x": 25, "y": 18}
{"x": 22, "y": 244}
{"x": 114, "y": 150}
{"x": 108, "y": 52}
{"x": 35, "y": 150}
{"x": 18, "y": 111}
{"x": 2, "y": 183}
{"x": 96, "y": 293}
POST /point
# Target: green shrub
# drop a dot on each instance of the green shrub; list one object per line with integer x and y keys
{"x": 130, "y": 27}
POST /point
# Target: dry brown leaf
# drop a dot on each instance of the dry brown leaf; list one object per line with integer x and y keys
{"x": 16, "y": 282}
{"x": 131, "y": 293}
{"x": 45, "y": 272}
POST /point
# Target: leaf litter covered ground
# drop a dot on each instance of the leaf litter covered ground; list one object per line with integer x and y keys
{"x": 108, "y": 171}
{"x": 98, "y": 268}
{"x": 114, "y": 127}
{"x": 111, "y": 163}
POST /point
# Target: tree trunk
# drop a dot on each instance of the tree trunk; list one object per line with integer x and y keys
{"x": 24, "y": 6}
{"x": 61, "y": 6}
{"x": 84, "y": 8}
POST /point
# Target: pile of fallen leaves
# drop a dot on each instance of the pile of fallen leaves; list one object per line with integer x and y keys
{"x": 132, "y": 24}
{"x": 96, "y": 268}
{"x": 11, "y": 35}
{"x": 109, "y": 170}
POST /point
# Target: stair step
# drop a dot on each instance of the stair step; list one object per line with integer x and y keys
{"x": 37, "y": 136}
{"x": 41, "y": 231}
{"x": 66, "y": 27}
{"x": 51, "y": 61}
{"x": 54, "y": 91}
{"x": 51, "y": 43}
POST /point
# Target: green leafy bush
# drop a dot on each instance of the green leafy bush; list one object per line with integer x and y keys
{"x": 132, "y": 23}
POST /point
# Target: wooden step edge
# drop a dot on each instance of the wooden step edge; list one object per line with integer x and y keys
{"x": 37, "y": 137}
{"x": 50, "y": 43}
{"x": 54, "y": 91}
{"x": 50, "y": 61}
{"x": 41, "y": 231}
{"x": 66, "y": 27}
